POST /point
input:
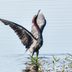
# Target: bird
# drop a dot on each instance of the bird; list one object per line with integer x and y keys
{"x": 33, "y": 40}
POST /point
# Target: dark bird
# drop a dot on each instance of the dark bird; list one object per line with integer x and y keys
{"x": 31, "y": 40}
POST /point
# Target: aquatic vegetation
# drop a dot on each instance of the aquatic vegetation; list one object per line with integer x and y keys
{"x": 52, "y": 63}
{"x": 35, "y": 61}
{"x": 34, "y": 65}
{"x": 55, "y": 60}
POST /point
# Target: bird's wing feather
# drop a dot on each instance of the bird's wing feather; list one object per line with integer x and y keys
{"x": 25, "y": 36}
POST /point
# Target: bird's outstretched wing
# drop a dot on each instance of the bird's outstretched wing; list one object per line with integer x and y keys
{"x": 25, "y": 36}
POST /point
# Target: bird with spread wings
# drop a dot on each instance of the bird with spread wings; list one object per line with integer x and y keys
{"x": 31, "y": 40}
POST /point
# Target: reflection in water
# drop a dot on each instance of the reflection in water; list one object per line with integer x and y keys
{"x": 53, "y": 63}
{"x": 33, "y": 65}
{"x": 45, "y": 63}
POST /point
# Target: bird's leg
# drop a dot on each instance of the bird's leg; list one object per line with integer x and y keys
{"x": 32, "y": 53}
{"x": 37, "y": 53}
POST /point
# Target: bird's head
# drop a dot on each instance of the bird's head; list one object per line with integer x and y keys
{"x": 41, "y": 21}
{"x": 35, "y": 17}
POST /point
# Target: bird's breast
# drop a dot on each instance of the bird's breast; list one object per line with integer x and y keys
{"x": 36, "y": 45}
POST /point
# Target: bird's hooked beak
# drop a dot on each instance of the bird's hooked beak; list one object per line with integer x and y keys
{"x": 38, "y": 12}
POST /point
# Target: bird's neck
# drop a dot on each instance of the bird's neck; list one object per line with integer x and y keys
{"x": 36, "y": 25}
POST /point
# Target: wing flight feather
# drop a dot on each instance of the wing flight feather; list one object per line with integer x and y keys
{"x": 24, "y": 35}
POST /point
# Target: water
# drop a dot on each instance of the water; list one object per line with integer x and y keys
{"x": 49, "y": 62}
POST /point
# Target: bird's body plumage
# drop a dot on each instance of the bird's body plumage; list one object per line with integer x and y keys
{"x": 32, "y": 40}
